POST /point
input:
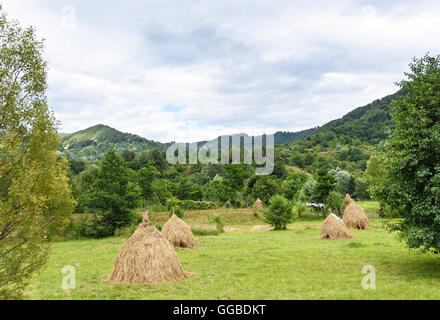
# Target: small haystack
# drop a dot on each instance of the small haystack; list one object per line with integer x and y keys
{"x": 348, "y": 199}
{"x": 354, "y": 216}
{"x": 333, "y": 228}
{"x": 146, "y": 258}
{"x": 258, "y": 204}
{"x": 178, "y": 233}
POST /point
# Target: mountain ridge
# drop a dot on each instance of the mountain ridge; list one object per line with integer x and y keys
{"x": 369, "y": 124}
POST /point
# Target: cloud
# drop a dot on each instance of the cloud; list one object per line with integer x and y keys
{"x": 192, "y": 70}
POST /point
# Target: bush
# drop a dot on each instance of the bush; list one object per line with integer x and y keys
{"x": 279, "y": 213}
{"x": 94, "y": 226}
{"x": 190, "y": 204}
{"x": 335, "y": 202}
{"x": 218, "y": 222}
{"x": 90, "y": 227}
{"x": 204, "y": 231}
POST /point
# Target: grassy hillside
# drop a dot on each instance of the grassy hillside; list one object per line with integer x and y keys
{"x": 92, "y": 143}
{"x": 346, "y": 143}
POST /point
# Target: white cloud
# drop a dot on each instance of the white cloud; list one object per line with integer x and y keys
{"x": 233, "y": 66}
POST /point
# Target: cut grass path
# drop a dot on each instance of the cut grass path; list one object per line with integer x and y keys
{"x": 292, "y": 264}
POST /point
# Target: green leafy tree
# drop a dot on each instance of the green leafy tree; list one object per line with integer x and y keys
{"x": 219, "y": 191}
{"x": 293, "y": 183}
{"x": 325, "y": 183}
{"x": 161, "y": 190}
{"x": 157, "y": 160}
{"x": 413, "y": 167}
{"x": 113, "y": 194}
{"x": 280, "y": 212}
{"x": 145, "y": 178}
{"x": 265, "y": 188}
{"x": 35, "y": 197}
{"x": 335, "y": 202}
{"x": 374, "y": 176}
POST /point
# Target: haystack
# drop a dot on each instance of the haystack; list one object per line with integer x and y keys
{"x": 354, "y": 216}
{"x": 258, "y": 204}
{"x": 178, "y": 233}
{"x": 333, "y": 228}
{"x": 348, "y": 199}
{"x": 146, "y": 258}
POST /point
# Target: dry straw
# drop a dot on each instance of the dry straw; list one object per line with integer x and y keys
{"x": 178, "y": 233}
{"x": 333, "y": 228}
{"x": 354, "y": 215}
{"x": 258, "y": 204}
{"x": 147, "y": 258}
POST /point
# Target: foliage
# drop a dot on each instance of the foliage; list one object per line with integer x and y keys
{"x": 190, "y": 204}
{"x": 413, "y": 167}
{"x": 35, "y": 197}
{"x": 279, "y": 213}
{"x": 265, "y": 188}
{"x": 325, "y": 183}
{"x": 93, "y": 142}
{"x": 112, "y": 194}
{"x": 374, "y": 176}
{"x": 335, "y": 202}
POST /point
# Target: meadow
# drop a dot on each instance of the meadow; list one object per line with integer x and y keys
{"x": 253, "y": 263}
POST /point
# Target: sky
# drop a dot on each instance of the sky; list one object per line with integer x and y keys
{"x": 183, "y": 70}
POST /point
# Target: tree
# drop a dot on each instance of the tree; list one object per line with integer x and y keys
{"x": 157, "y": 160}
{"x": 128, "y": 155}
{"x": 293, "y": 183}
{"x": 112, "y": 194}
{"x": 335, "y": 202}
{"x": 35, "y": 197}
{"x": 374, "y": 176}
{"x": 145, "y": 179}
{"x": 280, "y": 212}
{"x": 413, "y": 167}
{"x": 345, "y": 183}
{"x": 325, "y": 183}
{"x": 265, "y": 188}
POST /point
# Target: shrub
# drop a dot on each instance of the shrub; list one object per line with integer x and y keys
{"x": 190, "y": 204}
{"x": 218, "y": 222}
{"x": 279, "y": 213}
{"x": 335, "y": 202}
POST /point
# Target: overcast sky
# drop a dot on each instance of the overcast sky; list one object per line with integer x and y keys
{"x": 193, "y": 70}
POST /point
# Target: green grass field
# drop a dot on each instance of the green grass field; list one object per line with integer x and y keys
{"x": 246, "y": 264}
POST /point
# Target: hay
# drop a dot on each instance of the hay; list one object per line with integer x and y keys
{"x": 258, "y": 204}
{"x": 333, "y": 228}
{"x": 260, "y": 227}
{"x": 348, "y": 199}
{"x": 355, "y": 218}
{"x": 146, "y": 258}
{"x": 178, "y": 233}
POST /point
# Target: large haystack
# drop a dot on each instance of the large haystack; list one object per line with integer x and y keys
{"x": 146, "y": 258}
{"x": 258, "y": 204}
{"x": 354, "y": 217}
{"x": 178, "y": 233}
{"x": 333, "y": 228}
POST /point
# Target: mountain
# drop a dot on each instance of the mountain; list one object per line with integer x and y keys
{"x": 359, "y": 130}
{"x": 93, "y": 142}
{"x": 346, "y": 143}
{"x": 369, "y": 124}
